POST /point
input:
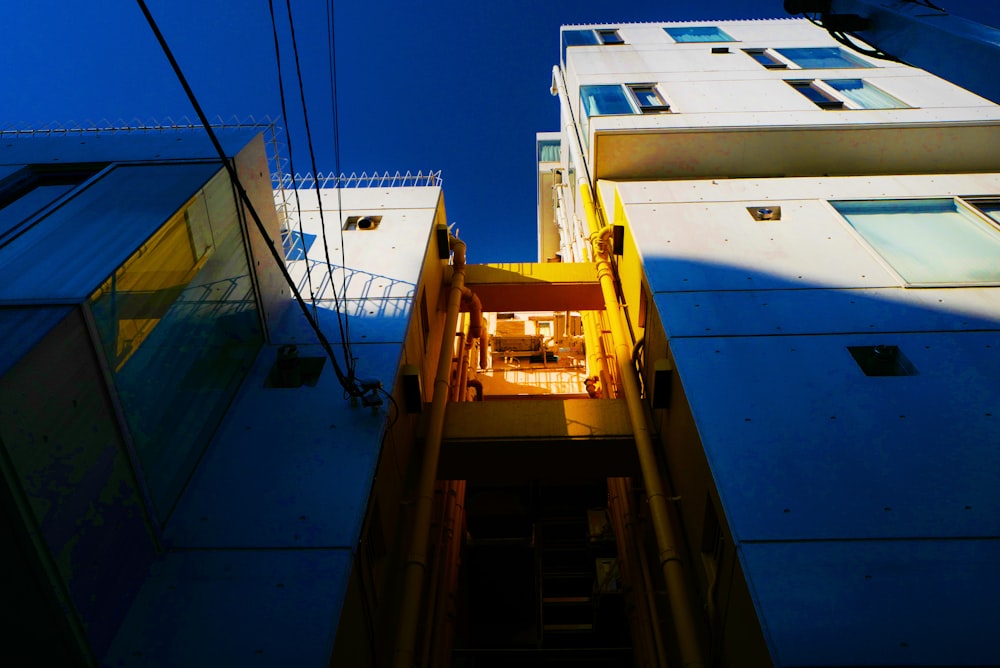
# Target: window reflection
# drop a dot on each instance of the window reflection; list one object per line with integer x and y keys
{"x": 179, "y": 326}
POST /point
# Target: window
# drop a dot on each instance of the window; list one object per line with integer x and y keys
{"x": 821, "y": 58}
{"x": 928, "y": 241}
{"x": 578, "y": 38}
{"x": 609, "y": 100}
{"x": 609, "y": 37}
{"x": 698, "y": 34}
{"x": 604, "y": 100}
{"x": 990, "y": 207}
{"x": 766, "y": 58}
{"x": 179, "y": 327}
{"x": 590, "y": 37}
{"x": 35, "y": 188}
{"x": 616, "y": 99}
{"x": 549, "y": 150}
{"x": 647, "y": 98}
{"x": 818, "y": 94}
{"x": 846, "y": 94}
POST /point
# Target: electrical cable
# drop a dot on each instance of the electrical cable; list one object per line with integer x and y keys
{"x": 350, "y": 361}
{"x": 350, "y": 385}
{"x": 291, "y": 159}
{"x": 331, "y": 41}
{"x": 928, "y": 4}
{"x": 846, "y": 38}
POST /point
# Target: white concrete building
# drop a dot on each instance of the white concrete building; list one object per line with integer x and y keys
{"x": 809, "y": 237}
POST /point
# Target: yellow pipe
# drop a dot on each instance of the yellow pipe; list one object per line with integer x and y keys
{"x": 416, "y": 562}
{"x": 647, "y": 579}
{"x": 639, "y": 622}
{"x": 595, "y": 363}
{"x": 443, "y": 608}
{"x": 432, "y": 600}
{"x": 443, "y": 659}
{"x": 459, "y": 365}
{"x": 667, "y": 537}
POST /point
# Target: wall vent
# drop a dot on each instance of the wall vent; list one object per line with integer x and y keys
{"x": 765, "y": 212}
{"x": 882, "y": 360}
{"x": 363, "y": 223}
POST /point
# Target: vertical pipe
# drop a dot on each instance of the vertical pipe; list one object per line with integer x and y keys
{"x": 456, "y": 382}
{"x": 639, "y": 622}
{"x": 668, "y": 540}
{"x": 597, "y": 364}
{"x": 443, "y": 653}
{"x": 416, "y": 562}
{"x": 437, "y": 565}
{"x": 654, "y": 620}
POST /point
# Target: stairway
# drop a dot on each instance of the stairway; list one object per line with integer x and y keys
{"x": 566, "y": 576}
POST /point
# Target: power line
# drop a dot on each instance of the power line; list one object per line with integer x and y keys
{"x": 349, "y": 360}
{"x": 350, "y": 384}
{"x": 331, "y": 41}
{"x": 291, "y": 160}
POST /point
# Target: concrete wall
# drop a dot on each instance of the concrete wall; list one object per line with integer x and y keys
{"x": 774, "y": 424}
{"x": 760, "y": 125}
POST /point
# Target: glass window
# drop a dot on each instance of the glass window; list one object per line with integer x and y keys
{"x": 35, "y": 190}
{"x": 822, "y": 58}
{"x": 590, "y": 37}
{"x": 698, "y": 34}
{"x": 579, "y": 38}
{"x": 179, "y": 326}
{"x": 846, "y": 94}
{"x": 548, "y": 150}
{"x": 931, "y": 241}
{"x": 609, "y": 37}
{"x": 601, "y": 101}
{"x": 863, "y": 94}
{"x": 990, "y": 207}
{"x": 817, "y": 95}
{"x": 766, "y": 58}
{"x": 648, "y": 99}
{"x": 604, "y": 100}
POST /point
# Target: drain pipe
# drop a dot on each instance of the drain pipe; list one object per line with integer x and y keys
{"x": 667, "y": 536}
{"x": 476, "y": 384}
{"x": 416, "y": 561}
{"x": 471, "y": 303}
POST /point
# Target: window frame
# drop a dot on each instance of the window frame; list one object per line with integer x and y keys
{"x": 776, "y": 60}
{"x": 962, "y": 204}
{"x": 599, "y": 37}
{"x": 720, "y": 31}
{"x": 773, "y": 61}
{"x": 976, "y": 203}
{"x": 630, "y": 93}
{"x": 652, "y": 88}
{"x": 836, "y": 99}
{"x": 603, "y": 35}
{"x": 825, "y": 99}
{"x": 846, "y": 55}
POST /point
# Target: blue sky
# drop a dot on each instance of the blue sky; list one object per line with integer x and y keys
{"x": 457, "y": 86}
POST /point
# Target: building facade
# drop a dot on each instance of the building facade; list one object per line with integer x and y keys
{"x": 740, "y": 412}
{"x": 184, "y": 482}
{"x": 809, "y": 242}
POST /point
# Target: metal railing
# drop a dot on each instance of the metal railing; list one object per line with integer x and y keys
{"x": 136, "y": 125}
{"x": 354, "y": 180}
